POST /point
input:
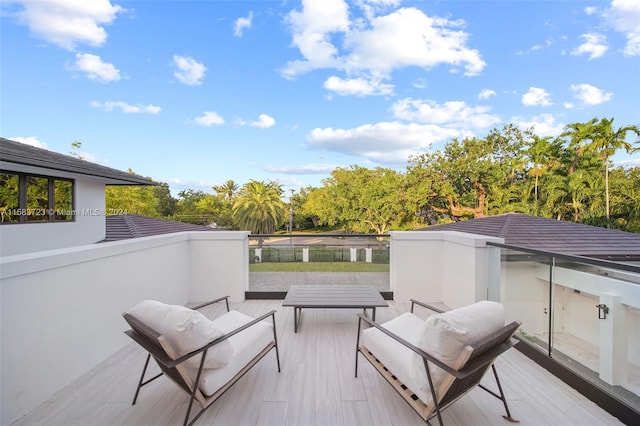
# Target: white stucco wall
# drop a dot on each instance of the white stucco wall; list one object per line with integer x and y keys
{"x": 87, "y": 228}
{"x": 60, "y": 310}
{"x": 447, "y": 267}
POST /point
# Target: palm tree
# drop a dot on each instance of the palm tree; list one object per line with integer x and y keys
{"x": 601, "y": 139}
{"x": 543, "y": 155}
{"x": 227, "y": 190}
{"x": 605, "y": 143}
{"x": 259, "y": 207}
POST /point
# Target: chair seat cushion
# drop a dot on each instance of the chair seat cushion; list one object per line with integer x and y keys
{"x": 444, "y": 336}
{"x": 186, "y": 330}
{"x": 246, "y": 345}
{"x": 396, "y": 357}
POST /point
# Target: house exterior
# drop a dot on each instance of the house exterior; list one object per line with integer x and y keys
{"x": 62, "y": 297}
{"x": 52, "y": 201}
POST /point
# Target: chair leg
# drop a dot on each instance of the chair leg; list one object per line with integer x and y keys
{"x": 358, "y": 345}
{"x": 502, "y": 397}
{"x": 275, "y": 339}
{"x": 141, "y": 383}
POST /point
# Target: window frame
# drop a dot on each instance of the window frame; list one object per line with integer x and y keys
{"x": 51, "y": 201}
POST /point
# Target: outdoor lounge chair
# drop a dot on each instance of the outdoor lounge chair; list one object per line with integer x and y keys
{"x": 203, "y": 357}
{"x": 433, "y": 363}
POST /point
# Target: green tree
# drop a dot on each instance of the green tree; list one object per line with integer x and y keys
{"x": 76, "y": 146}
{"x": 605, "y": 141}
{"x": 458, "y": 180}
{"x": 227, "y": 190}
{"x": 625, "y": 198}
{"x": 129, "y": 199}
{"x": 166, "y": 203}
{"x": 259, "y": 207}
{"x": 362, "y": 200}
{"x": 201, "y": 208}
{"x": 543, "y": 155}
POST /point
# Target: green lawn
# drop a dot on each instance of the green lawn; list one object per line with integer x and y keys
{"x": 318, "y": 267}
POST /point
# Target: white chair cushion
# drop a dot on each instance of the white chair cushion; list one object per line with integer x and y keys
{"x": 396, "y": 357}
{"x": 445, "y": 335}
{"x": 246, "y": 344}
{"x": 186, "y": 330}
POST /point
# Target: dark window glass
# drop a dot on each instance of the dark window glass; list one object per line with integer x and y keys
{"x": 29, "y": 198}
{"x": 63, "y": 197}
{"x": 9, "y": 197}
{"x": 37, "y": 199}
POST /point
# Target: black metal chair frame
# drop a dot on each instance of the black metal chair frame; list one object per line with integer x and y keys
{"x": 150, "y": 340}
{"x": 483, "y": 355}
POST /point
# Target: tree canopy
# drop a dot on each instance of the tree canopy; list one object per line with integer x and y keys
{"x": 569, "y": 177}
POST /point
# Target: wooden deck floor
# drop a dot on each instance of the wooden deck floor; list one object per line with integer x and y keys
{"x": 316, "y": 386}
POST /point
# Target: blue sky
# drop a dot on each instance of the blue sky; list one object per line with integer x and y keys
{"x": 194, "y": 93}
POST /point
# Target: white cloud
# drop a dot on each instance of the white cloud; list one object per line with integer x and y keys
{"x": 94, "y": 68}
{"x": 242, "y": 24}
{"x": 189, "y": 70}
{"x": 126, "y": 108}
{"x": 595, "y": 45}
{"x": 30, "y": 140}
{"x": 624, "y": 17}
{"x": 357, "y": 86}
{"x": 451, "y": 113}
{"x": 385, "y": 142}
{"x": 376, "y": 45}
{"x": 302, "y": 169}
{"x": 590, "y": 95}
{"x": 590, "y": 10}
{"x": 409, "y": 37}
{"x": 536, "y": 97}
{"x": 420, "y": 83}
{"x": 546, "y": 44}
{"x": 627, "y": 163}
{"x": 264, "y": 121}
{"x": 68, "y": 23}
{"x": 486, "y": 94}
{"x": 311, "y": 29}
{"x": 542, "y": 125}
{"x": 209, "y": 118}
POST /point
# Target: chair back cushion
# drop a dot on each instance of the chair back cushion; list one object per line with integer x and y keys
{"x": 446, "y": 335}
{"x": 186, "y": 330}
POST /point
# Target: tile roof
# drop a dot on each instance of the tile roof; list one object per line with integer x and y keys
{"x": 122, "y": 227}
{"x": 19, "y": 153}
{"x": 552, "y": 235}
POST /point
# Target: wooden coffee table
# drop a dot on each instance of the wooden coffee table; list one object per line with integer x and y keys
{"x": 332, "y": 296}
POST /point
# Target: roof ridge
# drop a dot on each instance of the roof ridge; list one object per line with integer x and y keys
{"x": 131, "y": 225}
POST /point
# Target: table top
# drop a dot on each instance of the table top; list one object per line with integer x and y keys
{"x": 333, "y": 296}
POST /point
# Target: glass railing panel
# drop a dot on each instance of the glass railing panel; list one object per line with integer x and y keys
{"x": 279, "y": 261}
{"x": 585, "y": 314}
{"x": 525, "y": 294}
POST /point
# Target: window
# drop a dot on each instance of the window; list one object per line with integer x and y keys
{"x": 32, "y": 199}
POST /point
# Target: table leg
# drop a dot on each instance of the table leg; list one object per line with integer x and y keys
{"x": 373, "y": 315}
{"x": 297, "y": 316}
